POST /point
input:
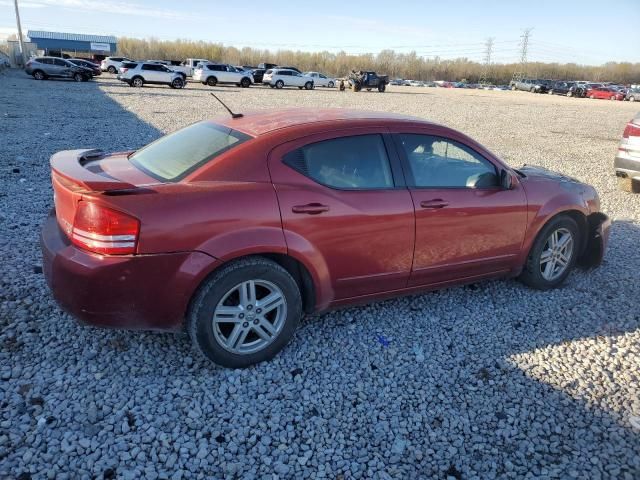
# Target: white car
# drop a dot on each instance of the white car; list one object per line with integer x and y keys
{"x": 136, "y": 74}
{"x": 189, "y": 66}
{"x": 214, "y": 73}
{"x": 278, "y": 78}
{"x": 321, "y": 80}
{"x": 113, "y": 64}
{"x": 416, "y": 83}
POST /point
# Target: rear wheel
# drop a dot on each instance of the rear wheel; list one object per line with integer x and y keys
{"x": 357, "y": 87}
{"x": 382, "y": 87}
{"x": 39, "y": 75}
{"x": 245, "y": 313}
{"x": 632, "y": 99}
{"x": 212, "y": 81}
{"x": 111, "y": 69}
{"x": 553, "y": 254}
{"x": 569, "y": 94}
{"x": 613, "y": 97}
{"x": 137, "y": 82}
{"x": 591, "y": 97}
{"x": 279, "y": 84}
{"x": 550, "y": 92}
{"x": 308, "y": 86}
{"x": 513, "y": 87}
{"x": 177, "y": 83}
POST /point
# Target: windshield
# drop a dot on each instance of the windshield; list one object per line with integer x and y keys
{"x": 175, "y": 155}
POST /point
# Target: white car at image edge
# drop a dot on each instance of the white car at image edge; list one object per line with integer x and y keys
{"x": 113, "y": 64}
{"x": 283, "y": 77}
{"x": 321, "y": 80}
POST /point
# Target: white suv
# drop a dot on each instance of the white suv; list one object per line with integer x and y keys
{"x": 136, "y": 74}
{"x": 214, "y": 73}
{"x": 320, "y": 80}
{"x": 278, "y": 78}
{"x": 113, "y": 64}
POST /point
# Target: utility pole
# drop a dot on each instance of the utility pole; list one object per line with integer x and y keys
{"x": 521, "y": 71}
{"x": 484, "y": 79}
{"x": 15, "y": 2}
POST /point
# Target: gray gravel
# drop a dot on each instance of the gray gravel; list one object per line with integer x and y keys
{"x": 490, "y": 380}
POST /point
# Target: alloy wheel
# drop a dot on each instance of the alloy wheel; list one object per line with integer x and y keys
{"x": 249, "y": 317}
{"x": 556, "y": 254}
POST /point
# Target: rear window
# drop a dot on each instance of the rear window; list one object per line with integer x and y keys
{"x": 174, "y": 156}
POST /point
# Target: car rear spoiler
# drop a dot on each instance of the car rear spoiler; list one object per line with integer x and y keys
{"x": 71, "y": 165}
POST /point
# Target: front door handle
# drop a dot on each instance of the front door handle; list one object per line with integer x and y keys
{"x": 310, "y": 208}
{"x": 435, "y": 203}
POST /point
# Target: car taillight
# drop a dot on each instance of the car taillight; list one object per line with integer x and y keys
{"x": 124, "y": 70}
{"x": 103, "y": 230}
{"x": 631, "y": 130}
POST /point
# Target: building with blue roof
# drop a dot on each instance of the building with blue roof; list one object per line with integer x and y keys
{"x": 54, "y": 43}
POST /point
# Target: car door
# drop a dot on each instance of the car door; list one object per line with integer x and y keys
{"x": 467, "y": 225}
{"x": 60, "y": 68}
{"x": 344, "y": 204}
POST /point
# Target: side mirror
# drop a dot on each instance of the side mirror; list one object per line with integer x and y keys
{"x": 506, "y": 180}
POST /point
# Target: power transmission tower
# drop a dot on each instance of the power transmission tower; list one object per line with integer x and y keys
{"x": 484, "y": 79}
{"x": 521, "y": 71}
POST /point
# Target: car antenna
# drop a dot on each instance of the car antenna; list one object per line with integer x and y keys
{"x": 233, "y": 115}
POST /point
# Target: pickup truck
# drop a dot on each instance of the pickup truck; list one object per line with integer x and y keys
{"x": 187, "y": 67}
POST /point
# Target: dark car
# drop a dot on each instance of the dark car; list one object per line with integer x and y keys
{"x": 563, "y": 88}
{"x": 42, "y": 68}
{"x": 235, "y": 227}
{"x": 258, "y": 73}
{"x": 95, "y": 69}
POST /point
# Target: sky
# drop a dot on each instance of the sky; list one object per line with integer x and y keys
{"x": 583, "y": 32}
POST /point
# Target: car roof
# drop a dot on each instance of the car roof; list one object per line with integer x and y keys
{"x": 266, "y": 121}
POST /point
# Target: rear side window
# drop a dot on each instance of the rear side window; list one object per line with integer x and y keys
{"x": 175, "y": 155}
{"x": 268, "y": 72}
{"x": 355, "y": 163}
{"x": 129, "y": 65}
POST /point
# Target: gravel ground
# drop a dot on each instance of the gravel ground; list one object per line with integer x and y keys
{"x": 489, "y": 380}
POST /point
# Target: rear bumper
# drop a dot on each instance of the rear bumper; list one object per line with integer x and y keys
{"x": 137, "y": 292}
{"x": 627, "y": 166}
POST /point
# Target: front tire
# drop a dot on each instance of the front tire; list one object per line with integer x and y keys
{"x": 78, "y": 77}
{"x": 177, "y": 83}
{"x": 632, "y": 99}
{"x": 553, "y": 254}
{"x": 331, "y": 85}
{"x": 245, "y": 82}
{"x": 245, "y": 313}
{"x": 39, "y": 75}
{"x": 308, "y": 86}
{"x": 382, "y": 87}
{"x": 111, "y": 69}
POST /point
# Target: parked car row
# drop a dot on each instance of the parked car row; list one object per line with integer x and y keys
{"x": 581, "y": 89}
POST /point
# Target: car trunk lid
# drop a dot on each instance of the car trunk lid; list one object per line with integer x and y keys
{"x": 75, "y": 173}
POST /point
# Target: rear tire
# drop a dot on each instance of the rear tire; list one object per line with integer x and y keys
{"x": 177, "y": 83}
{"x": 382, "y": 87}
{"x": 308, "y": 86}
{"x": 39, "y": 75}
{"x": 229, "y": 329}
{"x": 279, "y": 84}
{"x": 137, "y": 82}
{"x": 331, "y": 85}
{"x": 632, "y": 99}
{"x": 111, "y": 69}
{"x": 534, "y": 274}
{"x": 212, "y": 81}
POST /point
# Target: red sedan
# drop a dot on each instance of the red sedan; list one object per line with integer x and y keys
{"x": 605, "y": 93}
{"x": 235, "y": 227}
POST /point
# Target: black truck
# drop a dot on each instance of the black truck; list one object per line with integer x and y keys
{"x": 357, "y": 80}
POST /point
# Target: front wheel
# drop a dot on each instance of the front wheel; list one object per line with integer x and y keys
{"x": 78, "y": 77}
{"x": 245, "y": 313}
{"x": 177, "y": 83}
{"x": 382, "y": 87}
{"x": 308, "y": 86}
{"x": 331, "y": 84}
{"x": 632, "y": 99}
{"x": 39, "y": 75}
{"x": 245, "y": 82}
{"x": 553, "y": 254}
{"x": 550, "y": 92}
{"x": 111, "y": 69}
{"x": 613, "y": 97}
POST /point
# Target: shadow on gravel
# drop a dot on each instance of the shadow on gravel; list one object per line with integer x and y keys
{"x": 487, "y": 380}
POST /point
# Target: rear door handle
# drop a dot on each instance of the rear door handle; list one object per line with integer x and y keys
{"x": 435, "y": 203}
{"x": 310, "y": 208}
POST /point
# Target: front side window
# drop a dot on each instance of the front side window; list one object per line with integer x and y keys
{"x": 438, "y": 162}
{"x": 355, "y": 163}
{"x": 175, "y": 155}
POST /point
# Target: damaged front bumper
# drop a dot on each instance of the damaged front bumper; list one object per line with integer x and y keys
{"x": 599, "y": 226}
